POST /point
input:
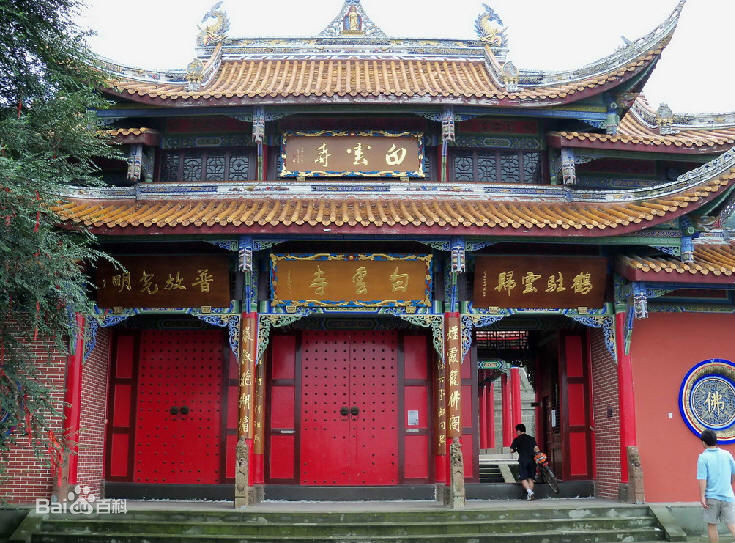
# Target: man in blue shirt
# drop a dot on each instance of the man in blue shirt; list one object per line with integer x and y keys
{"x": 715, "y": 474}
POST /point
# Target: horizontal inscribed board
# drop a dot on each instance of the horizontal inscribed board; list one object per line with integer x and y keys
{"x": 165, "y": 281}
{"x": 539, "y": 281}
{"x": 361, "y": 154}
{"x": 358, "y": 280}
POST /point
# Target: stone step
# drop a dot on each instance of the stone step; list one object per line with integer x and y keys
{"x": 604, "y": 536}
{"x": 299, "y": 529}
{"x": 541, "y": 521}
{"x": 539, "y": 511}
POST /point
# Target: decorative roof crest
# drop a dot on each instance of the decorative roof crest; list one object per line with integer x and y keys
{"x": 510, "y": 76}
{"x": 489, "y": 27}
{"x": 664, "y": 119}
{"x": 216, "y": 24}
{"x": 352, "y": 21}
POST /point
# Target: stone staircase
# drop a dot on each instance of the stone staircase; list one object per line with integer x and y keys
{"x": 490, "y": 473}
{"x": 499, "y": 524}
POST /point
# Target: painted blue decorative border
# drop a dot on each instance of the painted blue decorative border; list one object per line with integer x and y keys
{"x": 718, "y": 367}
{"x": 362, "y": 133}
{"x": 593, "y": 318}
{"x": 224, "y": 317}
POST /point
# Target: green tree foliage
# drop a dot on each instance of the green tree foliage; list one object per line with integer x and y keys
{"x": 49, "y": 139}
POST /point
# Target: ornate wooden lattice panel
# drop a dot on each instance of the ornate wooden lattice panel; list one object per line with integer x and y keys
{"x": 223, "y": 164}
{"x": 349, "y": 406}
{"x": 494, "y": 166}
{"x": 179, "y": 407}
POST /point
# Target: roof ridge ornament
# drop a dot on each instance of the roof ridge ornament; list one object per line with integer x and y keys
{"x": 352, "y": 21}
{"x": 490, "y": 28}
{"x": 216, "y": 25}
{"x": 492, "y": 32}
{"x": 665, "y": 119}
{"x": 510, "y": 76}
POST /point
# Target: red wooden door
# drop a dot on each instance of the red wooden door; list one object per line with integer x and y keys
{"x": 179, "y": 407}
{"x": 576, "y": 436}
{"x": 349, "y": 406}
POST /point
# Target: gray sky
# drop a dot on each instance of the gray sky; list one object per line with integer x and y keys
{"x": 695, "y": 74}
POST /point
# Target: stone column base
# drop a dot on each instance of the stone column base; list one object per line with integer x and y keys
{"x": 254, "y": 495}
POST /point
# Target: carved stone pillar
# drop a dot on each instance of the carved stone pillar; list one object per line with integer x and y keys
{"x": 456, "y": 492}
{"x": 245, "y": 427}
{"x": 636, "y": 492}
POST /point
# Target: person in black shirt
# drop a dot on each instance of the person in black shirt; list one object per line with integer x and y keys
{"x": 525, "y": 446}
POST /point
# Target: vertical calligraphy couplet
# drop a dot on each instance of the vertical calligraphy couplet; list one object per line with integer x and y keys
{"x": 259, "y": 425}
{"x": 440, "y": 421}
{"x": 248, "y": 345}
{"x": 248, "y": 352}
{"x": 453, "y": 379}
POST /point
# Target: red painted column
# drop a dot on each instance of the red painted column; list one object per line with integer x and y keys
{"x": 491, "y": 415}
{"x": 515, "y": 397}
{"x": 73, "y": 401}
{"x": 440, "y": 422}
{"x": 507, "y": 422}
{"x": 483, "y": 417}
{"x": 247, "y": 400}
{"x": 626, "y": 397}
{"x": 259, "y": 439}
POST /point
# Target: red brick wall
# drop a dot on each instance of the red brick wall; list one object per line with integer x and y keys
{"x": 27, "y": 477}
{"x": 94, "y": 413}
{"x": 607, "y": 429}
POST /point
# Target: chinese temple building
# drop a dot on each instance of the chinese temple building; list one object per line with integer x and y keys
{"x": 339, "y": 250}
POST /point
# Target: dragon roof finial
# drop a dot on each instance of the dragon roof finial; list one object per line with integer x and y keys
{"x": 489, "y": 27}
{"x": 214, "y": 26}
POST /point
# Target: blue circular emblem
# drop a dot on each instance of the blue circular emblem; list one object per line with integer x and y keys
{"x": 707, "y": 399}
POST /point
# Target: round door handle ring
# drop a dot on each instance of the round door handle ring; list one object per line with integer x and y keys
{"x": 355, "y": 411}
{"x": 174, "y": 410}
{"x": 344, "y": 411}
{"x": 184, "y": 410}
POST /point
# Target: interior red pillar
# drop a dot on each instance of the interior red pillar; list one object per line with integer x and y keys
{"x": 73, "y": 400}
{"x": 483, "y": 417}
{"x": 507, "y": 421}
{"x": 626, "y": 397}
{"x": 491, "y": 415}
{"x": 515, "y": 397}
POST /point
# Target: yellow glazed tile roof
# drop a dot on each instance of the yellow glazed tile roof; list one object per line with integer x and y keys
{"x": 360, "y": 213}
{"x": 633, "y": 131}
{"x": 128, "y": 131}
{"x": 146, "y": 136}
{"x": 367, "y": 78}
{"x": 715, "y": 260}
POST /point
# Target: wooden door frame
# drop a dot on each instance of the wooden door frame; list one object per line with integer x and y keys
{"x": 400, "y": 406}
{"x": 565, "y": 428}
{"x": 133, "y": 381}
